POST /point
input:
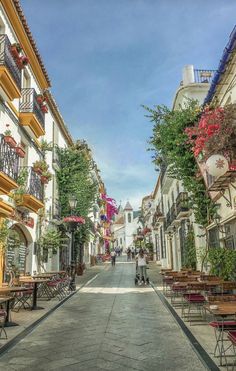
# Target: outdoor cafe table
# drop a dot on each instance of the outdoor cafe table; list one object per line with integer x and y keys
{"x": 35, "y": 283}
{"x": 7, "y": 290}
{"x": 224, "y": 310}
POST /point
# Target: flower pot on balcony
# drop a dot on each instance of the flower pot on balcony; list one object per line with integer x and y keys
{"x": 40, "y": 98}
{"x": 37, "y": 170}
{"x": 22, "y": 62}
{"x": 14, "y": 52}
{"x": 10, "y": 140}
{"x": 19, "y": 150}
{"x": 44, "y": 179}
{"x": 44, "y": 108}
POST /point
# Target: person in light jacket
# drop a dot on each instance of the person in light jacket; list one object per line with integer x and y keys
{"x": 141, "y": 258}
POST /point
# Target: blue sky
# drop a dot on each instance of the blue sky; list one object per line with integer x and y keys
{"x": 106, "y": 58}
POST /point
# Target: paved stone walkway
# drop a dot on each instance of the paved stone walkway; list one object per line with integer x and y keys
{"x": 109, "y": 325}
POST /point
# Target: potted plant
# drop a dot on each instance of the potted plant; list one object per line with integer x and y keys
{"x": 20, "y": 151}
{"x": 46, "y": 177}
{"x": 39, "y": 166}
{"x": 8, "y": 137}
{"x": 40, "y": 98}
{"x": 22, "y": 62}
{"x": 44, "y": 108}
{"x": 16, "y": 50}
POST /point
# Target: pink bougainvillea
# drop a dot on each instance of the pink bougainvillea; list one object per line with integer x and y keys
{"x": 210, "y": 125}
{"x": 76, "y": 219}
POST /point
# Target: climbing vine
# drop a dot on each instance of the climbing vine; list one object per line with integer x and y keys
{"x": 75, "y": 178}
{"x": 223, "y": 262}
{"x": 171, "y": 148}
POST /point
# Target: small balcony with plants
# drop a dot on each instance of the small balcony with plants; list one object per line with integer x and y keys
{"x": 182, "y": 205}
{"x": 9, "y": 163}
{"x": 29, "y": 195}
{"x": 10, "y": 71}
{"x": 32, "y": 112}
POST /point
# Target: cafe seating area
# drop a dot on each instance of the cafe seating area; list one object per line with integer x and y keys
{"x": 30, "y": 293}
{"x": 201, "y": 299}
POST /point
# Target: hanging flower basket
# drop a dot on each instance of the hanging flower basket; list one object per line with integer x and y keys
{"x": 10, "y": 141}
{"x": 20, "y": 151}
{"x": 15, "y": 50}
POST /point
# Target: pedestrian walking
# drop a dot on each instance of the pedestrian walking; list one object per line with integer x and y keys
{"x": 113, "y": 258}
{"x": 141, "y": 259}
{"x": 128, "y": 254}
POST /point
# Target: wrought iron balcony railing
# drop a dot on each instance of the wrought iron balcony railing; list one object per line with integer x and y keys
{"x": 9, "y": 160}
{"x": 203, "y": 76}
{"x": 182, "y": 203}
{"x": 6, "y": 59}
{"x": 29, "y": 104}
{"x": 34, "y": 184}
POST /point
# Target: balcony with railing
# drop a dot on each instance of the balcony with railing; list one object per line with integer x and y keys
{"x": 10, "y": 73}
{"x": 9, "y": 167}
{"x": 203, "y": 76}
{"x": 182, "y": 205}
{"x": 31, "y": 114}
{"x": 31, "y": 197}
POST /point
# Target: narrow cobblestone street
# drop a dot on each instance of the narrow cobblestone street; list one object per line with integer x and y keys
{"x": 109, "y": 325}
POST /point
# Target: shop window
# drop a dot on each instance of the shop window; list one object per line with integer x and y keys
{"x": 230, "y": 235}
{"x": 214, "y": 239}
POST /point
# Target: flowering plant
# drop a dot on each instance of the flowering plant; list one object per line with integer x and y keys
{"x": 214, "y": 133}
{"x": 208, "y": 126}
{"x": 76, "y": 219}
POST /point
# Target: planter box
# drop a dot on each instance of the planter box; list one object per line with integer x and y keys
{"x": 20, "y": 152}
{"x": 10, "y": 140}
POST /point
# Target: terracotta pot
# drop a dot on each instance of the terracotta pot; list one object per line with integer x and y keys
{"x": 14, "y": 52}
{"x": 40, "y": 100}
{"x": 20, "y": 152}
{"x": 10, "y": 140}
{"x": 44, "y": 179}
{"x": 44, "y": 108}
{"x": 37, "y": 170}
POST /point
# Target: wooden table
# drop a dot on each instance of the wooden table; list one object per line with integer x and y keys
{"x": 35, "y": 283}
{"x": 224, "y": 310}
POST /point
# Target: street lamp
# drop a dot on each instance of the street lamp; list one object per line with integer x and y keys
{"x": 72, "y": 202}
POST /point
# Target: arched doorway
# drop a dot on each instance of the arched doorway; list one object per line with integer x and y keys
{"x": 18, "y": 248}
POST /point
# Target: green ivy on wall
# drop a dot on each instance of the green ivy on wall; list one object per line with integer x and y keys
{"x": 75, "y": 178}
